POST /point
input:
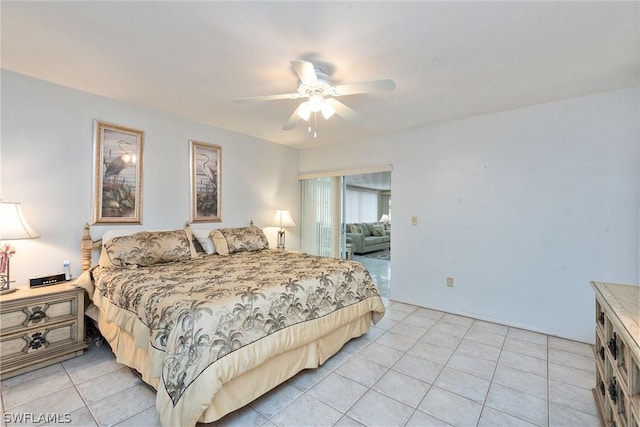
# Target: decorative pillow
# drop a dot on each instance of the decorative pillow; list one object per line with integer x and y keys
{"x": 365, "y": 229}
{"x": 230, "y": 240}
{"x": 203, "y": 239}
{"x": 146, "y": 248}
{"x": 378, "y": 230}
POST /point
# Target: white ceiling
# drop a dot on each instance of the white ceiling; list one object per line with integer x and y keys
{"x": 450, "y": 60}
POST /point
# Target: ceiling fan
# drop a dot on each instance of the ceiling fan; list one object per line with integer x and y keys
{"x": 314, "y": 85}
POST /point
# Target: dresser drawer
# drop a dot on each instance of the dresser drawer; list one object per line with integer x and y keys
{"x": 23, "y": 314}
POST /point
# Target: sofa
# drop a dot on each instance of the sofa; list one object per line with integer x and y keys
{"x": 368, "y": 237}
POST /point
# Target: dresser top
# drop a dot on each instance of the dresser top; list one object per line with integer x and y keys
{"x": 624, "y": 302}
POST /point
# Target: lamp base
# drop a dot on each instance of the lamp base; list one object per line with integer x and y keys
{"x": 281, "y": 239}
{"x": 7, "y": 291}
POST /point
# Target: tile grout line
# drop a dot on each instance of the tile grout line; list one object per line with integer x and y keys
{"x": 484, "y": 402}
{"x": 86, "y": 404}
{"x": 388, "y": 369}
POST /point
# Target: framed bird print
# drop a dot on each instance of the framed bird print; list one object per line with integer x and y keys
{"x": 117, "y": 174}
{"x": 205, "y": 169}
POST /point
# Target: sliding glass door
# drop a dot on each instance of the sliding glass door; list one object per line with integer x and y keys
{"x": 323, "y": 207}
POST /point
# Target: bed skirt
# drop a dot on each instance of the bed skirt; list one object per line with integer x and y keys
{"x": 247, "y": 387}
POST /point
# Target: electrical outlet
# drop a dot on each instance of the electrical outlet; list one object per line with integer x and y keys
{"x": 450, "y": 282}
{"x": 414, "y": 220}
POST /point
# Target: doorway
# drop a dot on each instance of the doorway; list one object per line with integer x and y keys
{"x": 367, "y": 217}
{"x": 325, "y": 217}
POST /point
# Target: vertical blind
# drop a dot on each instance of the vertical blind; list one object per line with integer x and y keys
{"x": 361, "y": 206}
{"x": 321, "y": 213}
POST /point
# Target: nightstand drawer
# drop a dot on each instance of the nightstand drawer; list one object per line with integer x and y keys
{"x": 38, "y": 340}
{"x": 32, "y": 313}
{"x": 39, "y": 327}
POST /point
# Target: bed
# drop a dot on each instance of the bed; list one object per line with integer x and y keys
{"x": 212, "y": 332}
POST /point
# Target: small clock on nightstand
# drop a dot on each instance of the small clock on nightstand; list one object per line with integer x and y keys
{"x": 40, "y": 327}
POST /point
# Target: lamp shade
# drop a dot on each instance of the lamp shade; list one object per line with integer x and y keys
{"x": 315, "y": 102}
{"x": 13, "y": 226}
{"x": 327, "y": 110}
{"x": 384, "y": 218}
{"x": 304, "y": 111}
{"x": 283, "y": 219}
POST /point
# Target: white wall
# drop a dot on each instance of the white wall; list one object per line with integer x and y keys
{"x": 46, "y": 164}
{"x": 521, "y": 208}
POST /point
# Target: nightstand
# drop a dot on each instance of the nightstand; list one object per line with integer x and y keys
{"x": 40, "y": 327}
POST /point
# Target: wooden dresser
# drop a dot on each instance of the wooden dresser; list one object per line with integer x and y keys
{"x": 40, "y": 327}
{"x": 617, "y": 391}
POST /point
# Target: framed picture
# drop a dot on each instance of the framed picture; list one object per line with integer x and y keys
{"x": 205, "y": 169}
{"x": 117, "y": 174}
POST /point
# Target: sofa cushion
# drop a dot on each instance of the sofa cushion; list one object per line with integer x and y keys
{"x": 373, "y": 240}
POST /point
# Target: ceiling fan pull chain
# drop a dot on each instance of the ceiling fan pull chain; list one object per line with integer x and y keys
{"x": 315, "y": 124}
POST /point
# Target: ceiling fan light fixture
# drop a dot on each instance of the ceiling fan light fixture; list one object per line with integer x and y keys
{"x": 314, "y": 84}
{"x": 327, "y": 110}
{"x": 315, "y": 102}
{"x": 304, "y": 111}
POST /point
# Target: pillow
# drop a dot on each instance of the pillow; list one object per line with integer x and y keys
{"x": 378, "y": 230}
{"x": 104, "y": 260}
{"x": 203, "y": 239}
{"x": 230, "y": 240}
{"x": 146, "y": 248}
{"x": 365, "y": 229}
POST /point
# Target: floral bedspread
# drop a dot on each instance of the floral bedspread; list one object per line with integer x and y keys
{"x": 204, "y": 309}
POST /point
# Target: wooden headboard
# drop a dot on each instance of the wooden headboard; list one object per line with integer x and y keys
{"x": 88, "y": 245}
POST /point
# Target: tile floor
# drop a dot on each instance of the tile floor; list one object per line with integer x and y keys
{"x": 417, "y": 367}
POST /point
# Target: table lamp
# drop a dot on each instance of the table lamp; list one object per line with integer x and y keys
{"x": 282, "y": 219}
{"x": 13, "y": 226}
{"x": 385, "y": 219}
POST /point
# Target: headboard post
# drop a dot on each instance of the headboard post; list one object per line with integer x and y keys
{"x": 86, "y": 245}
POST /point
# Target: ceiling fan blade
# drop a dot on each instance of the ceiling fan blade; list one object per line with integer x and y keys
{"x": 342, "y": 110}
{"x": 293, "y": 120}
{"x": 305, "y": 71}
{"x": 364, "y": 87}
{"x": 294, "y": 95}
